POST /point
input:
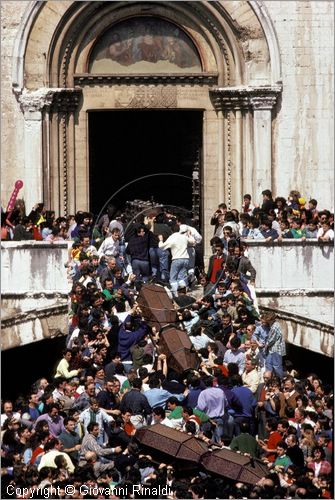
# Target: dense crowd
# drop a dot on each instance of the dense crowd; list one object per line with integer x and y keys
{"x": 79, "y": 428}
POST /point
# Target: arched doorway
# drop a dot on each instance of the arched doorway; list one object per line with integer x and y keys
{"x": 227, "y": 70}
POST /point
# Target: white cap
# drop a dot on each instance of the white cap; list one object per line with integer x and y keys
{"x": 183, "y": 228}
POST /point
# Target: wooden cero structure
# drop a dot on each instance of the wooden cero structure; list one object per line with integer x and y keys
{"x": 159, "y": 311}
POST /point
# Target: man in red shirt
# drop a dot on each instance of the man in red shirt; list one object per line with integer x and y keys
{"x": 127, "y": 425}
{"x": 270, "y": 445}
{"x": 215, "y": 264}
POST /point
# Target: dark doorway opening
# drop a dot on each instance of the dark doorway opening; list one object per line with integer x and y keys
{"x": 160, "y": 145}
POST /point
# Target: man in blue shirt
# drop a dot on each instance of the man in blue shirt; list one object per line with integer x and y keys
{"x": 248, "y": 403}
{"x": 157, "y": 396}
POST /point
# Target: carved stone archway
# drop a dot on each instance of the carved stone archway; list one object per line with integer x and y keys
{"x": 237, "y": 89}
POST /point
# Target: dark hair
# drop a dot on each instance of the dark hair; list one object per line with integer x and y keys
{"x": 289, "y": 412}
{"x": 254, "y": 222}
{"x": 214, "y": 241}
{"x": 194, "y": 381}
{"x": 188, "y": 410}
{"x": 284, "y": 423}
{"x": 267, "y": 223}
{"x": 91, "y": 426}
{"x": 68, "y": 419}
{"x": 282, "y": 444}
{"x": 191, "y": 427}
{"x": 321, "y": 450}
{"x": 49, "y": 445}
{"x": 232, "y": 369}
{"x": 198, "y": 489}
{"x": 159, "y": 411}
{"x": 248, "y": 196}
{"x": 143, "y": 372}
{"x": 244, "y": 427}
{"x": 59, "y": 461}
{"x": 236, "y": 380}
{"x": 229, "y": 217}
{"x": 235, "y": 342}
{"x": 154, "y": 382}
{"x": 272, "y": 423}
{"x": 173, "y": 400}
{"x": 137, "y": 383}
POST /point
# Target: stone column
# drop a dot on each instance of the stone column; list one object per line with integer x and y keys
{"x": 32, "y": 104}
{"x": 262, "y": 116}
{"x": 64, "y": 105}
{"x": 44, "y": 166}
{"x": 221, "y": 166}
{"x": 247, "y": 153}
{"x": 238, "y": 174}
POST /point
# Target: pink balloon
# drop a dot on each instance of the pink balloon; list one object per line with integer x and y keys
{"x": 18, "y": 184}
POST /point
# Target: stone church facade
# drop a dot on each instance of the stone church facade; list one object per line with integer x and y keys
{"x": 260, "y": 72}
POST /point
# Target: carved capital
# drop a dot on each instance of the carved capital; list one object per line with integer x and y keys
{"x": 244, "y": 98}
{"x": 34, "y": 102}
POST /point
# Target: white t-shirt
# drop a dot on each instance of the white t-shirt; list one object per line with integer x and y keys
{"x": 329, "y": 234}
{"x": 178, "y": 243}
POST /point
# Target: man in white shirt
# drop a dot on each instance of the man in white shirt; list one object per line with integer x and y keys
{"x": 178, "y": 243}
{"x": 110, "y": 247}
{"x": 325, "y": 233}
{"x": 8, "y": 412}
{"x": 250, "y": 376}
{"x": 159, "y": 417}
{"x": 191, "y": 249}
{"x": 51, "y": 450}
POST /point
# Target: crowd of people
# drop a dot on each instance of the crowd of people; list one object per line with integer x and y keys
{"x": 79, "y": 427}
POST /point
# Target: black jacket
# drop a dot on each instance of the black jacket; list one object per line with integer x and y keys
{"x": 137, "y": 402}
{"x": 243, "y": 265}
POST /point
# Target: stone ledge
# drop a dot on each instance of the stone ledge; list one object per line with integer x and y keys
{"x": 32, "y": 314}
{"x": 138, "y": 79}
{"x": 294, "y": 292}
{"x": 288, "y": 242}
{"x": 302, "y": 320}
{"x": 32, "y": 244}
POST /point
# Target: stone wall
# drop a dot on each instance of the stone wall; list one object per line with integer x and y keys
{"x": 296, "y": 277}
{"x": 34, "y": 292}
{"x": 296, "y": 280}
{"x": 304, "y": 127}
{"x": 12, "y": 134}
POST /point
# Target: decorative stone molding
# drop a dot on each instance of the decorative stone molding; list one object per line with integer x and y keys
{"x": 229, "y": 169}
{"x": 245, "y": 98}
{"x": 217, "y": 32}
{"x": 64, "y": 147}
{"x": 45, "y": 98}
{"x": 146, "y": 97}
{"x": 296, "y": 318}
{"x": 66, "y": 100}
{"x": 140, "y": 79}
{"x": 263, "y": 102}
{"x": 23, "y": 317}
